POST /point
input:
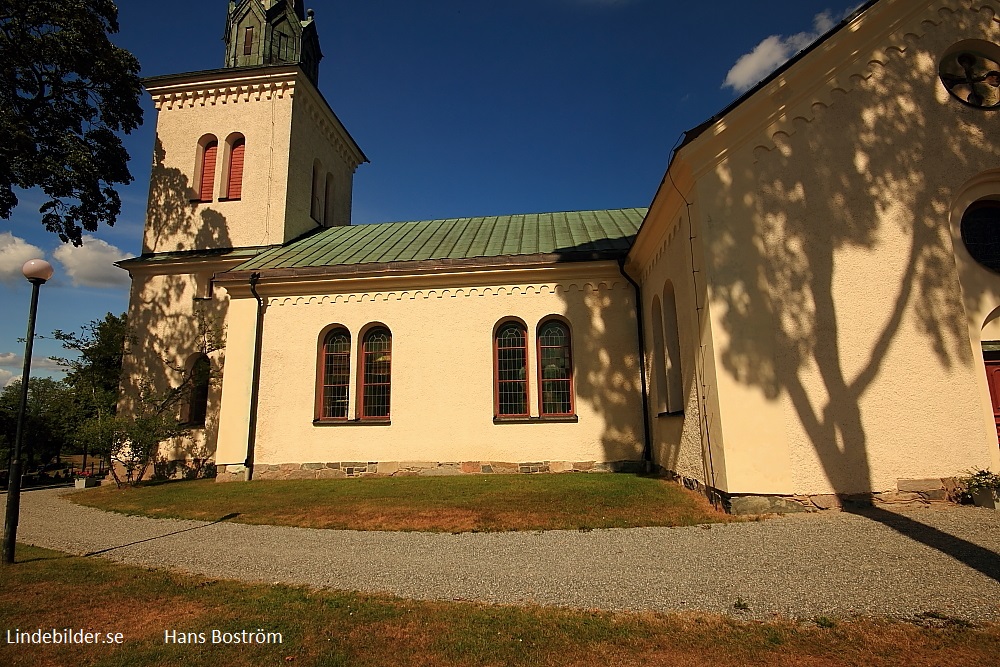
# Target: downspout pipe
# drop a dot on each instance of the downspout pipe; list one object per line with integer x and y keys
{"x": 647, "y": 446}
{"x": 255, "y": 382}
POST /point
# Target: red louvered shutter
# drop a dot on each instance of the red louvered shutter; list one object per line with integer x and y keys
{"x": 208, "y": 171}
{"x": 235, "y": 188}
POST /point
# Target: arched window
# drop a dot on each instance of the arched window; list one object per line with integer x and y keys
{"x": 510, "y": 354}
{"x": 555, "y": 369}
{"x": 672, "y": 351}
{"x": 335, "y": 374}
{"x": 659, "y": 360}
{"x": 376, "y": 373}
{"x": 979, "y": 228}
{"x": 328, "y": 210}
{"x": 207, "y": 155}
{"x": 316, "y": 206}
{"x": 197, "y": 395}
{"x": 234, "y": 185}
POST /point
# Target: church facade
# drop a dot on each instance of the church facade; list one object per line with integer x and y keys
{"x": 807, "y": 309}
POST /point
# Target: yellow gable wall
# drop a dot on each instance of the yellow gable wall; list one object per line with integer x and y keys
{"x": 840, "y": 341}
{"x": 442, "y": 372}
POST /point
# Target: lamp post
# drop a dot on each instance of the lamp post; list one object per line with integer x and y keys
{"x": 37, "y": 271}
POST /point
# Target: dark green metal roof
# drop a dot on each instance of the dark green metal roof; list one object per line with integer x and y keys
{"x": 577, "y": 235}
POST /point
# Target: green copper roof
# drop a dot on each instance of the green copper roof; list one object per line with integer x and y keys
{"x": 183, "y": 255}
{"x": 578, "y": 235}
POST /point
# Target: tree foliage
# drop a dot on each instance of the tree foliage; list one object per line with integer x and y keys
{"x": 50, "y": 420}
{"x": 94, "y": 373}
{"x": 132, "y": 441}
{"x": 65, "y": 91}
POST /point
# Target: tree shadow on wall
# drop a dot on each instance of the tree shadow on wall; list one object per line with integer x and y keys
{"x": 170, "y": 314}
{"x": 847, "y": 190}
{"x": 606, "y": 374}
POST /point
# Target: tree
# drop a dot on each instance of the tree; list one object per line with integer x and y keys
{"x": 94, "y": 375}
{"x": 49, "y": 419}
{"x": 132, "y": 441}
{"x": 65, "y": 91}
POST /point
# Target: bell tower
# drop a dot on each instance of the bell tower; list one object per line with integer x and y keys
{"x": 249, "y": 155}
{"x": 272, "y": 32}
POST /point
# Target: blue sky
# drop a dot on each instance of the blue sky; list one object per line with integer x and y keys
{"x": 463, "y": 107}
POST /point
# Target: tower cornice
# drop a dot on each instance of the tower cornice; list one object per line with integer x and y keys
{"x": 254, "y": 84}
{"x": 220, "y": 86}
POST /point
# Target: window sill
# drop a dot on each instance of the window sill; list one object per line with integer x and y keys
{"x": 554, "y": 419}
{"x": 675, "y": 413}
{"x": 198, "y": 200}
{"x": 221, "y": 199}
{"x": 351, "y": 422}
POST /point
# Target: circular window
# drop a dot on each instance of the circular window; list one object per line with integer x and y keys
{"x": 972, "y": 77}
{"x": 981, "y": 233}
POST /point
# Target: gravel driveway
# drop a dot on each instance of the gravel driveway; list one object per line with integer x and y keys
{"x": 884, "y": 563}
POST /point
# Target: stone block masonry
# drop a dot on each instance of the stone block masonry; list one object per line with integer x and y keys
{"x": 344, "y": 469}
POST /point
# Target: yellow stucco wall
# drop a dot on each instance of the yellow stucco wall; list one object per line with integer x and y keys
{"x": 256, "y": 105}
{"x": 273, "y": 108}
{"x": 172, "y": 320}
{"x": 841, "y": 341}
{"x": 317, "y": 139}
{"x": 680, "y": 440}
{"x": 442, "y": 370}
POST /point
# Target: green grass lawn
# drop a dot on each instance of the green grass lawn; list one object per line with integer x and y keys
{"x": 47, "y": 589}
{"x": 452, "y": 504}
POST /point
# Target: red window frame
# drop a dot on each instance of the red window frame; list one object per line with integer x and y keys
{"x": 237, "y": 154}
{"x": 375, "y": 375}
{"x": 555, "y": 370}
{"x": 206, "y": 179}
{"x": 510, "y": 370}
{"x": 334, "y": 376}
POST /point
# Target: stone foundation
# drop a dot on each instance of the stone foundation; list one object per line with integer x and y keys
{"x": 908, "y": 491}
{"x": 344, "y": 469}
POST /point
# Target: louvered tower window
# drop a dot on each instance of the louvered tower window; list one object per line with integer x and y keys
{"x": 206, "y": 179}
{"x": 234, "y": 189}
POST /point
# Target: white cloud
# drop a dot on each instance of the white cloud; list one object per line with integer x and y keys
{"x": 92, "y": 264}
{"x": 772, "y": 52}
{"x": 6, "y": 377}
{"x": 14, "y": 252}
{"x": 16, "y": 361}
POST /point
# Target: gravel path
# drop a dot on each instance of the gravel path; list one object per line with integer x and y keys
{"x": 883, "y": 563}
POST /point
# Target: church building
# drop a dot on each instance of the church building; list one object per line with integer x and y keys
{"x": 808, "y": 309}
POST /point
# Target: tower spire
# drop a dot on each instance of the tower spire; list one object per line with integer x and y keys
{"x": 272, "y": 32}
